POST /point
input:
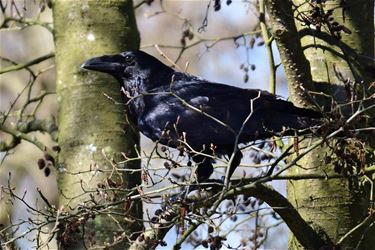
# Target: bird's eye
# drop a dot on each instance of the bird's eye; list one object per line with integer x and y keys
{"x": 128, "y": 58}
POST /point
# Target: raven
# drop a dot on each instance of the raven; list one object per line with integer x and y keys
{"x": 192, "y": 114}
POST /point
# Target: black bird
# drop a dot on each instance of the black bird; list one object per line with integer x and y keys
{"x": 184, "y": 111}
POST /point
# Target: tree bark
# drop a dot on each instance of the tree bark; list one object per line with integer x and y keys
{"x": 332, "y": 207}
{"x": 92, "y": 127}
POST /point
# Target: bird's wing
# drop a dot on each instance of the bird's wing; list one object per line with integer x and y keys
{"x": 225, "y": 107}
{"x": 201, "y": 112}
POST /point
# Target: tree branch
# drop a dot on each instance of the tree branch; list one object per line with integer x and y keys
{"x": 358, "y": 230}
{"x": 19, "y": 135}
{"x": 27, "y": 64}
{"x": 268, "y": 44}
{"x": 26, "y": 22}
{"x": 300, "y": 228}
{"x": 48, "y": 126}
{"x": 297, "y": 68}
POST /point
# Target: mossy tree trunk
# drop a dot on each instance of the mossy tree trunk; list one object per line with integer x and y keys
{"x": 92, "y": 127}
{"x": 333, "y": 206}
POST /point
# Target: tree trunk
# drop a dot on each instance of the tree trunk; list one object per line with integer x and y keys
{"x": 92, "y": 127}
{"x": 332, "y": 206}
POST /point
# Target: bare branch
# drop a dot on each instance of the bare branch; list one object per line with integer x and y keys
{"x": 358, "y": 230}
{"x": 305, "y": 234}
{"x": 19, "y": 135}
{"x": 297, "y": 68}
{"x": 27, "y": 64}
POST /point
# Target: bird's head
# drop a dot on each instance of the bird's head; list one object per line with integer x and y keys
{"x": 130, "y": 65}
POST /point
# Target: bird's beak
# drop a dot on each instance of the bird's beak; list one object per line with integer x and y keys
{"x": 107, "y": 64}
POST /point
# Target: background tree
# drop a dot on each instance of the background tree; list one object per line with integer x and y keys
{"x": 92, "y": 128}
{"x": 335, "y": 48}
{"x": 327, "y": 51}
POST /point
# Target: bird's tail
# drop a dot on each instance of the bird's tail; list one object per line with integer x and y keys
{"x": 309, "y": 113}
{"x": 289, "y": 117}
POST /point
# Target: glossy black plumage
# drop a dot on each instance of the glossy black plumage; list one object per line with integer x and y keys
{"x": 178, "y": 109}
